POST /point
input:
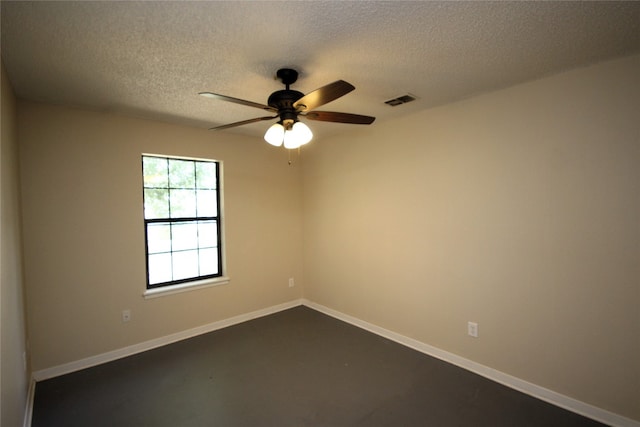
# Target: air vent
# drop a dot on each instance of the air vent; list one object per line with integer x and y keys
{"x": 400, "y": 100}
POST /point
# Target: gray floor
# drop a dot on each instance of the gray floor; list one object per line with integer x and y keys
{"x": 294, "y": 368}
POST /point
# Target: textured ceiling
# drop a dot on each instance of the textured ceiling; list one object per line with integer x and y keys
{"x": 150, "y": 59}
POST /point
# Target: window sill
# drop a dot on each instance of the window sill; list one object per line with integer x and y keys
{"x": 184, "y": 287}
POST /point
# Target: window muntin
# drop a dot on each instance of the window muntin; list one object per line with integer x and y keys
{"x": 182, "y": 222}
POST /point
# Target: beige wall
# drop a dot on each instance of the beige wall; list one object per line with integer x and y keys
{"x": 14, "y": 378}
{"x": 84, "y": 238}
{"x": 518, "y": 209}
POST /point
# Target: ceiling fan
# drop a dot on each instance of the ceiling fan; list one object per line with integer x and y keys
{"x": 290, "y": 104}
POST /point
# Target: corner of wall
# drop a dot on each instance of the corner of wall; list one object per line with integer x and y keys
{"x": 14, "y": 374}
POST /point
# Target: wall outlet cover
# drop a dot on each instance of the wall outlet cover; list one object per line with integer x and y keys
{"x": 472, "y": 329}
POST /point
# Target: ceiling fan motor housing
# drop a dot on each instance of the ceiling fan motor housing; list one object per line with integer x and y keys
{"x": 283, "y": 101}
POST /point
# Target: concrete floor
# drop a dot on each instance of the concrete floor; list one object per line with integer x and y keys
{"x": 293, "y": 368}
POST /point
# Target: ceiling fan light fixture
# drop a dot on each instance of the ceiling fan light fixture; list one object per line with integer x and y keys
{"x": 299, "y": 135}
{"x": 275, "y": 134}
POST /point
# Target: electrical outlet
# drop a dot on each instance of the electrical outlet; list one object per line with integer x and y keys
{"x": 472, "y": 329}
{"x": 126, "y": 315}
{"x": 291, "y": 282}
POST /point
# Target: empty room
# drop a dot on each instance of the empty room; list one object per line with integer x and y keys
{"x": 327, "y": 213}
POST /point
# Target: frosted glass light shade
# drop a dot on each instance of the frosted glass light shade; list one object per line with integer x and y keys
{"x": 290, "y": 141}
{"x": 299, "y": 134}
{"x": 275, "y": 134}
{"x": 303, "y": 133}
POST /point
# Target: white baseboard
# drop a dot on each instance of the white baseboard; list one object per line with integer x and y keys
{"x": 158, "y": 342}
{"x": 510, "y": 381}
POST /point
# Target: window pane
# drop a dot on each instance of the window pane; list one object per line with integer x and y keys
{"x": 184, "y": 236}
{"x": 207, "y": 203}
{"x": 207, "y": 234}
{"x": 158, "y": 237}
{"x": 185, "y": 265}
{"x": 208, "y": 261}
{"x": 182, "y": 174}
{"x": 183, "y": 203}
{"x": 159, "y": 268}
{"x": 206, "y": 175}
{"x": 156, "y": 203}
{"x": 155, "y": 172}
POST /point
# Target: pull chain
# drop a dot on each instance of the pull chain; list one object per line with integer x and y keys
{"x": 290, "y": 161}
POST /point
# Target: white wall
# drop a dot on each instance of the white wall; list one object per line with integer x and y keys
{"x": 84, "y": 236}
{"x": 14, "y": 378}
{"x": 517, "y": 209}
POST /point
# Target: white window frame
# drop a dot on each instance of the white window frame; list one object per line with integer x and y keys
{"x": 196, "y": 283}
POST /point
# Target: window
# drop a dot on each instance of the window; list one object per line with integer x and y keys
{"x": 182, "y": 220}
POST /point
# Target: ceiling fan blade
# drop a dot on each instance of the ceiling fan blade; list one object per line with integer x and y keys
{"x": 244, "y": 122}
{"x": 323, "y": 95}
{"x": 237, "y": 101}
{"x": 331, "y": 116}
